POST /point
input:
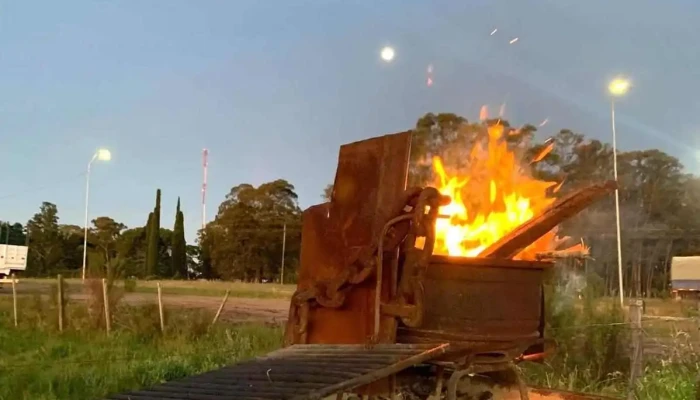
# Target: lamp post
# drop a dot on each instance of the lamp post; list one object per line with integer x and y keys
{"x": 101, "y": 155}
{"x": 618, "y": 87}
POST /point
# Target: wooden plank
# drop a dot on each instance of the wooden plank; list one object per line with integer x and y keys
{"x": 526, "y": 234}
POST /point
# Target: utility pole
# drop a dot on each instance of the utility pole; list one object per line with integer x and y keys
{"x": 284, "y": 245}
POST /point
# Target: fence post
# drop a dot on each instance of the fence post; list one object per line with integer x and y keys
{"x": 108, "y": 315}
{"x": 160, "y": 308}
{"x": 60, "y": 302}
{"x": 221, "y": 307}
{"x": 637, "y": 358}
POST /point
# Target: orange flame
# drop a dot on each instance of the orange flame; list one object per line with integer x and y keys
{"x": 500, "y": 196}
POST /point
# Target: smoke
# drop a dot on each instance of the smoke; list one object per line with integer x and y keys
{"x": 569, "y": 288}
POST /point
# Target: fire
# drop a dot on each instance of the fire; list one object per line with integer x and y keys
{"x": 498, "y": 197}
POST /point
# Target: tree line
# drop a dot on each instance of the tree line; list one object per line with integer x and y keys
{"x": 660, "y": 204}
{"x": 113, "y": 249}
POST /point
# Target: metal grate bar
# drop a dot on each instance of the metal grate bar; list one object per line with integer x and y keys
{"x": 299, "y": 372}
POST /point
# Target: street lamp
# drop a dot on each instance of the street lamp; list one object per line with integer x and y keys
{"x": 101, "y": 155}
{"x": 618, "y": 87}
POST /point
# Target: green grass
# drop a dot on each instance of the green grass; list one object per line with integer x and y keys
{"x": 669, "y": 382}
{"x": 38, "y": 363}
{"x": 592, "y": 350}
{"x": 660, "y": 382}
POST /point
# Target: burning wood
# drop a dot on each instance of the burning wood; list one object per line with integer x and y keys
{"x": 578, "y": 251}
{"x": 512, "y": 243}
{"x": 500, "y": 195}
{"x": 505, "y": 212}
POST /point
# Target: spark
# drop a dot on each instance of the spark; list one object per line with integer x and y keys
{"x": 513, "y": 40}
{"x": 548, "y": 147}
{"x": 494, "y": 31}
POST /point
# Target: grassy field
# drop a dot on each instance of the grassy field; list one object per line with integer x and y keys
{"x": 39, "y": 363}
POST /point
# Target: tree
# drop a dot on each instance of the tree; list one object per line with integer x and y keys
{"x": 71, "y": 237}
{"x": 104, "y": 238}
{"x": 153, "y": 241}
{"x": 12, "y": 233}
{"x": 45, "y": 245}
{"x": 193, "y": 254}
{"x": 165, "y": 263}
{"x": 204, "y": 268}
{"x": 179, "y": 246}
{"x": 245, "y": 239}
{"x": 131, "y": 247}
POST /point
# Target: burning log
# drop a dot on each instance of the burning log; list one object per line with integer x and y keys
{"x": 561, "y": 254}
{"x": 579, "y": 251}
{"x": 513, "y": 243}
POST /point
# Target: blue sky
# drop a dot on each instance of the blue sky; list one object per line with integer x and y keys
{"x": 273, "y": 88}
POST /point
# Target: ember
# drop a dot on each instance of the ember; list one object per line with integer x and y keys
{"x": 501, "y": 195}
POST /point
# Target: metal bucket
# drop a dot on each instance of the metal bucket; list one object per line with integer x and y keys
{"x": 481, "y": 302}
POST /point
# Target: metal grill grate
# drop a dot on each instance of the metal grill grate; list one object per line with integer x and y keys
{"x": 299, "y": 372}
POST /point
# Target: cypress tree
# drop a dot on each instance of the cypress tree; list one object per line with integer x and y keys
{"x": 153, "y": 249}
{"x": 179, "y": 250}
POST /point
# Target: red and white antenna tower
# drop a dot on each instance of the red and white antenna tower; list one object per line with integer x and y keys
{"x": 205, "y": 164}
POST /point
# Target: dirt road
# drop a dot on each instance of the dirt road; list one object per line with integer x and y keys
{"x": 237, "y": 309}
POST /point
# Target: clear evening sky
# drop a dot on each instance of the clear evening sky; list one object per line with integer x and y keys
{"x": 272, "y": 88}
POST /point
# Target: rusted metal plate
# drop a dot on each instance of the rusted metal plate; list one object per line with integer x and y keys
{"x": 485, "y": 304}
{"x": 297, "y": 372}
{"x": 371, "y": 177}
{"x": 370, "y": 180}
{"x": 526, "y": 234}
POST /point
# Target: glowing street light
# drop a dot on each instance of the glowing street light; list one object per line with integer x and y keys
{"x": 618, "y": 87}
{"x": 103, "y": 155}
{"x": 387, "y": 53}
{"x": 100, "y": 155}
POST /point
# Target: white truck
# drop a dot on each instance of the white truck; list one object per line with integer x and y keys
{"x": 12, "y": 259}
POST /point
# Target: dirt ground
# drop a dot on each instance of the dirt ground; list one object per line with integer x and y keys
{"x": 273, "y": 311}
